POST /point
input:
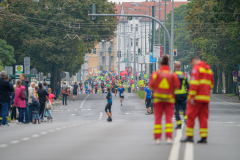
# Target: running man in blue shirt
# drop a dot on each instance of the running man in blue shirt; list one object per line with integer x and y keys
{"x": 121, "y": 91}
{"x": 148, "y": 97}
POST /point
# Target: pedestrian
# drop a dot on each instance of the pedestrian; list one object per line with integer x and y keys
{"x": 102, "y": 86}
{"x": 162, "y": 83}
{"x": 81, "y": 88}
{"x": 45, "y": 87}
{"x": 96, "y": 88}
{"x": 31, "y": 94}
{"x": 121, "y": 91}
{"x": 14, "y": 108}
{"x": 35, "y": 105}
{"x": 57, "y": 90}
{"x": 148, "y": 98}
{"x": 20, "y": 100}
{"x": 42, "y": 97}
{"x": 48, "y": 110}
{"x": 64, "y": 93}
{"x": 75, "y": 91}
{"x": 201, "y": 83}
{"x": 109, "y": 105}
{"x": 5, "y": 89}
{"x": 26, "y": 109}
{"x": 180, "y": 94}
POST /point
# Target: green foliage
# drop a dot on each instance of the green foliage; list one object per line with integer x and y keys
{"x": 6, "y": 54}
{"x": 141, "y": 94}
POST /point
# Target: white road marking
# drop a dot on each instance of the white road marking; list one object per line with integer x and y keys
{"x": 58, "y": 129}
{"x": 14, "y": 142}
{"x": 26, "y": 139}
{"x": 84, "y": 101}
{"x": 100, "y": 117}
{"x": 86, "y": 109}
{"x": 68, "y": 110}
{"x": 75, "y": 109}
{"x": 127, "y": 113}
{"x": 44, "y": 132}
{"x": 51, "y": 131}
{"x": 227, "y": 102}
{"x": 61, "y": 107}
{"x": 35, "y": 135}
{"x": 73, "y": 114}
{"x": 189, "y": 151}
{"x": 174, "y": 153}
{"x": 3, "y": 145}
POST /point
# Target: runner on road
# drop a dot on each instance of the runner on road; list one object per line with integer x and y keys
{"x": 121, "y": 91}
{"x": 115, "y": 89}
{"x": 109, "y": 105}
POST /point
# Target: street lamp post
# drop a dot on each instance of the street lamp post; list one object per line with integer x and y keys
{"x": 109, "y": 52}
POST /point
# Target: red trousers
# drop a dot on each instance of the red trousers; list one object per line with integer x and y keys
{"x": 200, "y": 110}
{"x": 159, "y": 108}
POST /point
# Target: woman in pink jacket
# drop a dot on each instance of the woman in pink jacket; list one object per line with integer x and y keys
{"x": 20, "y": 103}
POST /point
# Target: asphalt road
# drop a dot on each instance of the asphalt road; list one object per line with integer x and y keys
{"x": 80, "y": 131}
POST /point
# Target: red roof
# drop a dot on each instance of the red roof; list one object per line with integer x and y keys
{"x": 128, "y": 5}
{"x": 118, "y": 8}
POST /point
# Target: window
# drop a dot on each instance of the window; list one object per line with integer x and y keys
{"x": 119, "y": 43}
{"x": 137, "y": 42}
{"x": 136, "y": 27}
{"x": 94, "y": 51}
{"x": 131, "y": 27}
{"x": 131, "y": 42}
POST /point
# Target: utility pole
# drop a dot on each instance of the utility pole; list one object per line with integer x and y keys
{"x": 172, "y": 38}
{"x": 165, "y": 26}
{"x": 134, "y": 71}
{"x": 141, "y": 53}
{"x": 159, "y": 30}
{"x": 109, "y": 52}
{"x": 145, "y": 39}
{"x": 153, "y": 28}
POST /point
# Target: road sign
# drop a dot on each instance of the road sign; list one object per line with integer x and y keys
{"x": 106, "y": 72}
{"x": 18, "y": 69}
{"x": 152, "y": 59}
{"x": 157, "y": 51}
{"x": 235, "y": 73}
{"x": 239, "y": 67}
{"x": 125, "y": 60}
{"x": 9, "y": 70}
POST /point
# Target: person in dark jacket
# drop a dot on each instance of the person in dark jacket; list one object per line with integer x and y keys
{"x": 26, "y": 109}
{"x": 42, "y": 96}
{"x": 35, "y": 108}
{"x": 4, "y": 97}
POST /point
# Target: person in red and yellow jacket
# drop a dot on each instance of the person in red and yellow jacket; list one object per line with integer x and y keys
{"x": 163, "y": 83}
{"x": 201, "y": 83}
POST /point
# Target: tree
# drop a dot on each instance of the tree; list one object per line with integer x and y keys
{"x": 6, "y": 54}
{"x": 42, "y": 30}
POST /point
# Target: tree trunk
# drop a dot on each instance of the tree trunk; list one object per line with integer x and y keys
{"x": 53, "y": 78}
{"x": 230, "y": 82}
{"x": 226, "y": 83}
{"x": 58, "y": 77}
{"x": 215, "y": 81}
{"x": 219, "y": 72}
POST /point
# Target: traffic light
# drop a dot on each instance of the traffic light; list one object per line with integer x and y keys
{"x": 93, "y": 10}
{"x": 139, "y": 51}
{"x": 174, "y": 52}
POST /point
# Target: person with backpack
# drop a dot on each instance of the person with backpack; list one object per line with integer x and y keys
{"x": 35, "y": 105}
{"x": 25, "y": 84}
{"x": 64, "y": 93}
{"x": 20, "y": 100}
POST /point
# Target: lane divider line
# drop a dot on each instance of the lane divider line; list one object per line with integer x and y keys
{"x": 189, "y": 151}
{"x": 84, "y": 101}
{"x": 174, "y": 153}
{"x": 100, "y": 117}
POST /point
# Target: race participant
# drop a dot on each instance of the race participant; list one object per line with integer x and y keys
{"x": 121, "y": 91}
{"x": 75, "y": 91}
{"x": 148, "y": 98}
{"x": 201, "y": 84}
{"x": 81, "y": 88}
{"x": 109, "y": 105}
{"x": 115, "y": 89}
{"x": 162, "y": 83}
{"x": 180, "y": 94}
{"x": 96, "y": 88}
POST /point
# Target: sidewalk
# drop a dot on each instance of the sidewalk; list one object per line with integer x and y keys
{"x": 227, "y": 98}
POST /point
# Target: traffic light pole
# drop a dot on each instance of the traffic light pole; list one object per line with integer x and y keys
{"x": 140, "y": 15}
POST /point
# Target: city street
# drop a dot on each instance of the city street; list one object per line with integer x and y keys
{"x": 80, "y": 131}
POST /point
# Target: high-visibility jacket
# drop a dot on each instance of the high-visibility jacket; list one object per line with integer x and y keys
{"x": 201, "y": 82}
{"x": 163, "y": 83}
{"x": 184, "y": 85}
